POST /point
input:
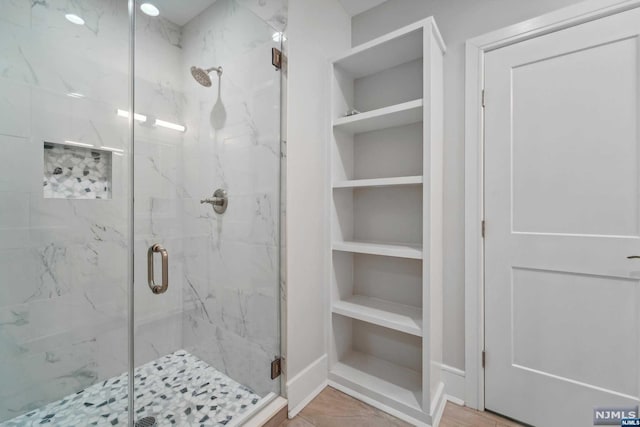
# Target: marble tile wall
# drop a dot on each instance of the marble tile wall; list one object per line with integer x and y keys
{"x": 274, "y": 12}
{"x": 62, "y": 287}
{"x": 63, "y": 262}
{"x": 159, "y": 189}
{"x": 231, "y": 270}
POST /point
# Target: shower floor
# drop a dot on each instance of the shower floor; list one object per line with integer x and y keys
{"x": 178, "y": 389}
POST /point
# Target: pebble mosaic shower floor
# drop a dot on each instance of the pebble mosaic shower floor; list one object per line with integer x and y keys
{"x": 178, "y": 389}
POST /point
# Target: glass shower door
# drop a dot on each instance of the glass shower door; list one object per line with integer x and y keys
{"x": 64, "y": 216}
{"x": 207, "y": 100}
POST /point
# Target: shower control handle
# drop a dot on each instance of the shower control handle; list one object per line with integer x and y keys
{"x": 219, "y": 201}
{"x": 214, "y": 202}
{"x": 158, "y": 289}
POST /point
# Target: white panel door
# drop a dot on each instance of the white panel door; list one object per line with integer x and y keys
{"x": 562, "y": 182}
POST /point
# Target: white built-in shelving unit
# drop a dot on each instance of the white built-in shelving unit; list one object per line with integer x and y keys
{"x": 386, "y": 223}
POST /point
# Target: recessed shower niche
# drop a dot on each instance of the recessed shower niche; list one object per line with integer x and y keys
{"x": 76, "y": 172}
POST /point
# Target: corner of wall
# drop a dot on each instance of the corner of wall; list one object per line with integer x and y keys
{"x": 306, "y": 385}
{"x": 316, "y": 31}
{"x": 454, "y": 386}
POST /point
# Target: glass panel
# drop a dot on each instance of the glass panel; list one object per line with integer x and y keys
{"x": 208, "y": 101}
{"x": 64, "y": 243}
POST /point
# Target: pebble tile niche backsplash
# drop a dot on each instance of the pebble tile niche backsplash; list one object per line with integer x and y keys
{"x": 76, "y": 172}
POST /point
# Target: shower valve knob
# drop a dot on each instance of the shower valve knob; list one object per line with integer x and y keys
{"x": 214, "y": 202}
{"x": 219, "y": 201}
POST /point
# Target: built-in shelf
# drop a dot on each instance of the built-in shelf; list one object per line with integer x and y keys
{"x": 385, "y": 330}
{"x": 399, "y": 317}
{"x": 382, "y": 118}
{"x": 384, "y": 52}
{"x": 379, "y": 182}
{"x": 395, "y": 382}
{"x": 400, "y": 250}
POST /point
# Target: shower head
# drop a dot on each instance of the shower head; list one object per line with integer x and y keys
{"x": 202, "y": 76}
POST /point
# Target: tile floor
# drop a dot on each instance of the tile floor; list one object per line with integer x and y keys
{"x": 332, "y": 408}
{"x": 178, "y": 389}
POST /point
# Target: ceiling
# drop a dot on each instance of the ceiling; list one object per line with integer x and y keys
{"x": 354, "y": 7}
{"x": 181, "y": 12}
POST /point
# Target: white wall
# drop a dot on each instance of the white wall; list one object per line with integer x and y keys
{"x": 317, "y": 30}
{"x": 458, "y": 21}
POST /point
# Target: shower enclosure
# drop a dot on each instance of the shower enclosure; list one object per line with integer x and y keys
{"x": 131, "y": 290}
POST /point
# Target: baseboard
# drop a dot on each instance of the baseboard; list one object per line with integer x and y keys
{"x": 306, "y": 385}
{"x": 454, "y": 399}
{"x": 453, "y": 379}
{"x": 437, "y": 405}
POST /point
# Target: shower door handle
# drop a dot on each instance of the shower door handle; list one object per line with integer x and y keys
{"x": 165, "y": 269}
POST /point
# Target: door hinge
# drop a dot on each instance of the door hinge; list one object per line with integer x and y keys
{"x": 278, "y": 59}
{"x": 482, "y": 228}
{"x": 484, "y": 358}
{"x": 483, "y": 99}
{"x": 276, "y": 368}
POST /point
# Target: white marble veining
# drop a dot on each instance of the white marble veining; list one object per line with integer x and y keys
{"x": 232, "y": 261}
{"x": 63, "y": 278}
{"x": 272, "y": 11}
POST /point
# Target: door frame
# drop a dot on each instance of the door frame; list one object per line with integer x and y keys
{"x": 476, "y": 48}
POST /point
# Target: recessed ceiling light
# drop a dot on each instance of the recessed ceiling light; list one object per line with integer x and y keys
{"x": 75, "y": 95}
{"x": 75, "y": 19}
{"x": 149, "y": 9}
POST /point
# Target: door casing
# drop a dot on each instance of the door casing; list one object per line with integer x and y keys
{"x": 474, "y": 165}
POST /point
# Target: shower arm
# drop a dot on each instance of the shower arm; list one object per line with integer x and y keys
{"x": 216, "y": 69}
